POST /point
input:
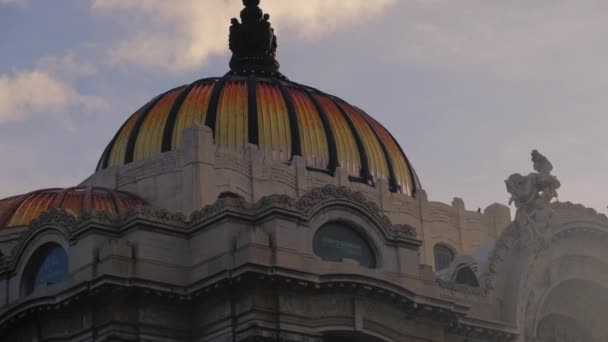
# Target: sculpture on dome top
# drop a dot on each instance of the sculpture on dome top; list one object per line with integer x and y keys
{"x": 253, "y": 42}
{"x": 533, "y": 193}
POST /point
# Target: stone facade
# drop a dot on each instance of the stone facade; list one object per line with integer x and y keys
{"x": 195, "y": 175}
{"x": 226, "y": 254}
{"x": 238, "y": 271}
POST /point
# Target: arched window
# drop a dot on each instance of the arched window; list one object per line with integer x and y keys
{"x": 444, "y": 256}
{"x": 466, "y": 276}
{"x": 48, "y": 265}
{"x": 338, "y": 241}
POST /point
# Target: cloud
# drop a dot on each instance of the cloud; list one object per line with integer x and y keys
{"x": 69, "y": 66}
{"x": 182, "y": 37}
{"x": 34, "y": 167}
{"x": 517, "y": 39}
{"x": 37, "y": 91}
{"x": 14, "y": 2}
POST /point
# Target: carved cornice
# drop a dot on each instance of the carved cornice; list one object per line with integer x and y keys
{"x": 580, "y": 211}
{"x": 57, "y": 217}
{"x": 220, "y": 206}
{"x": 462, "y": 288}
{"x": 479, "y": 330}
{"x": 319, "y": 197}
{"x": 305, "y": 206}
{"x": 152, "y": 214}
{"x": 403, "y": 231}
{"x": 302, "y": 209}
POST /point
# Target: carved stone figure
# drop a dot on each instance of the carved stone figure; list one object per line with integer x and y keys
{"x": 252, "y": 41}
{"x": 533, "y": 193}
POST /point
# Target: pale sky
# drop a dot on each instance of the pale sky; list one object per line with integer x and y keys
{"x": 468, "y": 87}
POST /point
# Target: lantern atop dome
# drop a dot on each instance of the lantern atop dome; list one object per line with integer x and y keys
{"x": 253, "y": 43}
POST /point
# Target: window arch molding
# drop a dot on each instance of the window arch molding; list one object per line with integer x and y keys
{"x": 32, "y": 249}
{"x": 444, "y": 254}
{"x": 359, "y": 223}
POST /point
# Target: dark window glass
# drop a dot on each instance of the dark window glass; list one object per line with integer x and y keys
{"x": 48, "y": 266}
{"x": 338, "y": 241}
{"x": 443, "y": 257}
{"x": 466, "y": 276}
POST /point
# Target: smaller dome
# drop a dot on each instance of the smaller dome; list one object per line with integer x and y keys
{"x": 21, "y": 210}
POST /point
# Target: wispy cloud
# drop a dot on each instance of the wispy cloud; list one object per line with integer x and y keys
{"x": 69, "y": 66}
{"x": 38, "y": 92}
{"x": 14, "y": 2}
{"x": 515, "y": 39}
{"x": 181, "y": 38}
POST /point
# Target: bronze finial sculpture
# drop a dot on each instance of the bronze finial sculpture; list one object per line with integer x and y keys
{"x": 253, "y": 42}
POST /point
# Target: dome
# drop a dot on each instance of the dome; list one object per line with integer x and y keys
{"x": 283, "y": 118}
{"x": 255, "y": 104}
{"x": 21, "y": 210}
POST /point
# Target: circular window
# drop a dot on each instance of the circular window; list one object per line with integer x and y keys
{"x": 339, "y": 241}
{"x": 48, "y": 266}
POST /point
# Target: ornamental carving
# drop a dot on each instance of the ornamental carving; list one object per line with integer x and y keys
{"x": 403, "y": 231}
{"x": 98, "y": 216}
{"x": 532, "y": 194}
{"x": 277, "y": 201}
{"x": 224, "y": 203}
{"x": 328, "y": 192}
{"x": 462, "y": 288}
{"x": 58, "y": 217}
{"x": 162, "y": 215}
{"x": 303, "y": 207}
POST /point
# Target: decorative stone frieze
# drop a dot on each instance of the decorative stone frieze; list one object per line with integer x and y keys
{"x": 463, "y": 288}
{"x": 157, "y": 215}
{"x": 58, "y": 217}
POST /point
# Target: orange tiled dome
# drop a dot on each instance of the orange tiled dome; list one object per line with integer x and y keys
{"x": 21, "y": 210}
{"x": 283, "y": 118}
